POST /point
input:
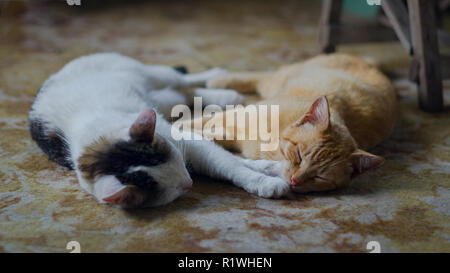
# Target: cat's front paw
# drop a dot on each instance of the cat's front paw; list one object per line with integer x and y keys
{"x": 271, "y": 187}
{"x": 268, "y": 167}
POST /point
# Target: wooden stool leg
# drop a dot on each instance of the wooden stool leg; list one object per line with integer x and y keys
{"x": 397, "y": 13}
{"x": 426, "y": 54}
{"x": 329, "y": 23}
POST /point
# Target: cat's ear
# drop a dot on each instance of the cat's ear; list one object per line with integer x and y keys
{"x": 119, "y": 197}
{"x": 110, "y": 190}
{"x": 144, "y": 127}
{"x": 318, "y": 114}
{"x": 363, "y": 161}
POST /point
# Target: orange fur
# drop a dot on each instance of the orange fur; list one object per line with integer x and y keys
{"x": 331, "y": 107}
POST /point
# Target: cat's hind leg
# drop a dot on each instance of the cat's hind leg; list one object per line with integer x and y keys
{"x": 164, "y": 100}
{"x": 160, "y": 77}
{"x": 200, "y": 79}
{"x": 220, "y": 97}
{"x": 245, "y": 82}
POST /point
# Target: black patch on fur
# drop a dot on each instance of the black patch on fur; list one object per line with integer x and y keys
{"x": 181, "y": 68}
{"x": 140, "y": 179}
{"x": 120, "y": 156}
{"x": 52, "y": 142}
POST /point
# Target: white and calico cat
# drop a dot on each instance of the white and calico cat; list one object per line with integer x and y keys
{"x": 102, "y": 115}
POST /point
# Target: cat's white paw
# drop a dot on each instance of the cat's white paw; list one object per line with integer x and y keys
{"x": 229, "y": 97}
{"x": 270, "y": 187}
{"x": 268, "y": 167}
{"x": 200, "y": 79}
{"x": 220, "y": 97}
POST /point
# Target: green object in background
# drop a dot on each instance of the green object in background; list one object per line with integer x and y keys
{"x": 361, "y": 8}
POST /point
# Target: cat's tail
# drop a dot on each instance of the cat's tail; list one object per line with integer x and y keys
{"x": 246, "y": 82}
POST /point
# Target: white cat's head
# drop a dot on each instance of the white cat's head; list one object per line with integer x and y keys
{"x": 145, "y": 171}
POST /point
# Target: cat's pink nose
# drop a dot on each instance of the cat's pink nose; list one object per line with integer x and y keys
{"x": 293, "y": 182}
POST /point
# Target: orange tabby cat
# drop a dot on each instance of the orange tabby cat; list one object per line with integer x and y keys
{"x": 332, "y": 108}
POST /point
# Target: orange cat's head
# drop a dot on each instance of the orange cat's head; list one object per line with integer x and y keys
{"x": 321, "y": 155}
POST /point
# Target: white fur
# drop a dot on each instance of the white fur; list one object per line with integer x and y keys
{"x": 106, "y": 186}
{"x": 220, "y": 97}
{"x": 101, "y": 95}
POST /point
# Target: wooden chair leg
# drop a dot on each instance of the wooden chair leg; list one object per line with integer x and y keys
{"x": 397, "y": 13}
{"x": 426, "y": 54}
{"x": 329, "y": 23}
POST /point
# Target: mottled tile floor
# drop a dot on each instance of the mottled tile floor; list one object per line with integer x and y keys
{"x": 405, "y": 205}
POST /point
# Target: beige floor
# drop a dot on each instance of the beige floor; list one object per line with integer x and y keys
{"x": 405, "y": 205}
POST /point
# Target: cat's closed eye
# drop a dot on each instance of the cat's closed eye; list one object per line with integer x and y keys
{"x": 298, "y": 155}
{"x": 320, "y": 178}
